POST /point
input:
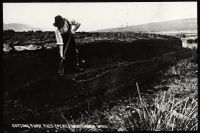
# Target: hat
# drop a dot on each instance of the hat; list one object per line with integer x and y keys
{"x": 59, "y": 21}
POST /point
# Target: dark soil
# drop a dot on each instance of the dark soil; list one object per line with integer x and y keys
{"x": 36, "y": 94}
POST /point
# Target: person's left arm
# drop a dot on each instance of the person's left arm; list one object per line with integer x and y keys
{"x": 75, "y": 26}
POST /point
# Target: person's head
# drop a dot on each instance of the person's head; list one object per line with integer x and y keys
{"x": 59, "y": 21}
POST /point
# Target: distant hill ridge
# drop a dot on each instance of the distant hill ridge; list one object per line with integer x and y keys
{"x": 172, "y": 25}
{"x": 19, "y": 27}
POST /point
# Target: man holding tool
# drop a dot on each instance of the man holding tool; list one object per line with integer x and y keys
{"x": 65, "y": 39}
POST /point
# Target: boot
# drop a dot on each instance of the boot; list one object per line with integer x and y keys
{"x": 79, "y": 69}
{"x": 78, "y": 64}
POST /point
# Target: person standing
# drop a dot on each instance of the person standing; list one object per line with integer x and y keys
{"x": 64, "y": 33}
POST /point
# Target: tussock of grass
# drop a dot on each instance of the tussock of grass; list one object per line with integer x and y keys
{"x": 165, "y": 113}
{"x": 173, "y": 110}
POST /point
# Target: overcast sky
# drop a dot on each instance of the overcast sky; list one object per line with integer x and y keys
{"x": 94, "y": 16}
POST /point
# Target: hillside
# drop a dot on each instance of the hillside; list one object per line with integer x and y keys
{"x": 19, "y": 27}
{"x": 173, "y": 25}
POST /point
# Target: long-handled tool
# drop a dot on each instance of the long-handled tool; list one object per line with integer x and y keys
{"x": 61, "y": 67}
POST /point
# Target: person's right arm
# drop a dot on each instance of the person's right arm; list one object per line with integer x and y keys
{"x": 59, "y": 42}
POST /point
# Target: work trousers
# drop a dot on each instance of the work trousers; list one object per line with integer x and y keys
{"x": 72, "y": 53}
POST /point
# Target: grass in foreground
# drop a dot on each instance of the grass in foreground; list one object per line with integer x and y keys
{"x": 173, "y": 110}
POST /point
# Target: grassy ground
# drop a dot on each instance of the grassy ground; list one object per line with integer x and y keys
{"x": 172, "y": 109}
